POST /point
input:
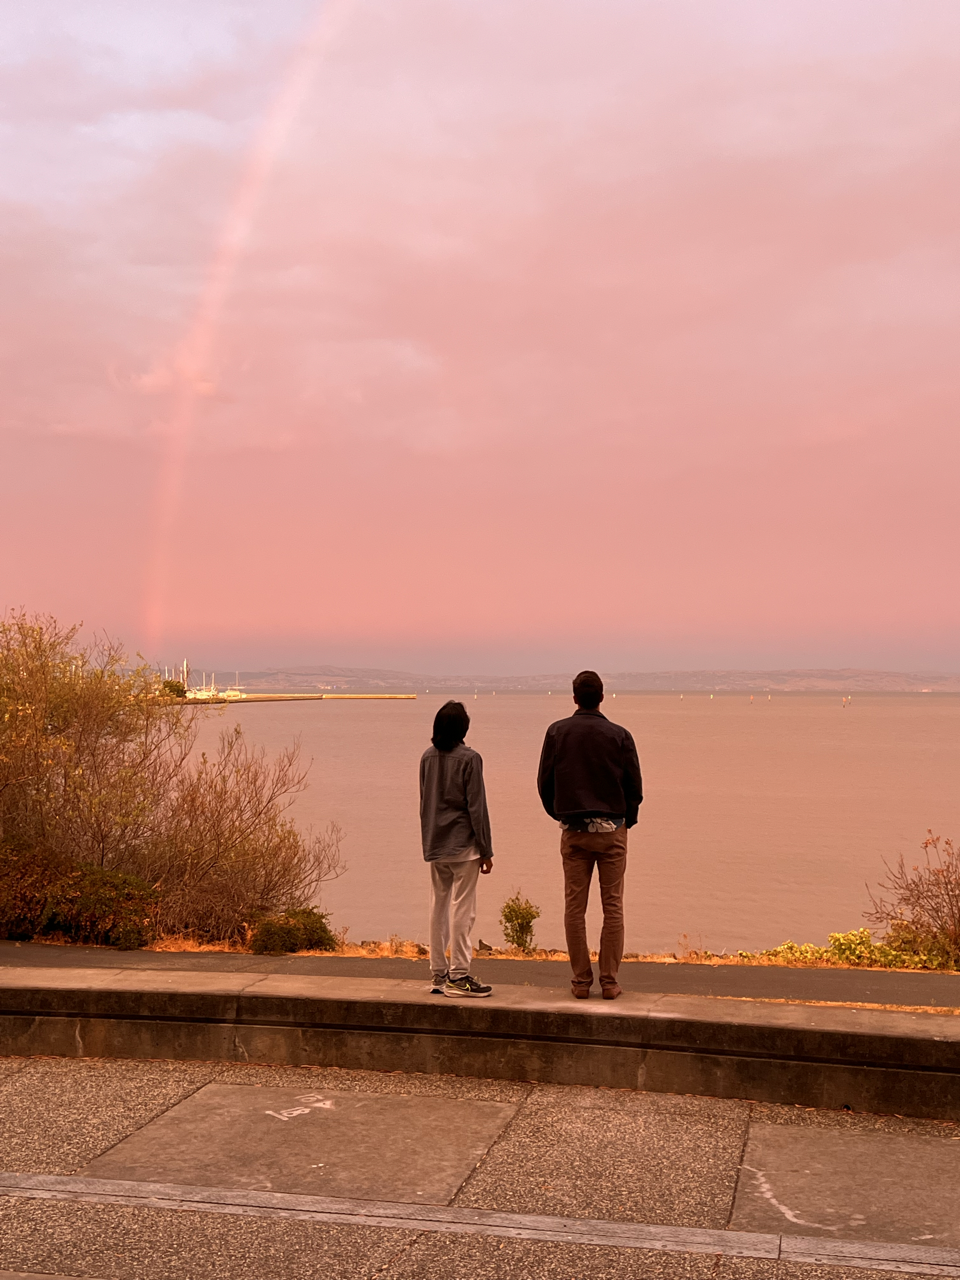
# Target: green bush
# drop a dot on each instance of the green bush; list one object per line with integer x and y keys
{"x": 315, "y": 929}
{"x": 274, "y": 936}
{"x": 106, "y": 908}
{"x": 26, "y": 880}
{"x": 901, "y": 949}
{"x": 858, "y": 949}
{"x": 300, "y": 930}
{"x": 517, "y": 916}
{"x": 84, "y": 904}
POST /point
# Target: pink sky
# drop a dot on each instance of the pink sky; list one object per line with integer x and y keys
{"x": 490, "y": 335}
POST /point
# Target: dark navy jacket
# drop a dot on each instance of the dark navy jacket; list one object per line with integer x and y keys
{"x": 589, "y": 769}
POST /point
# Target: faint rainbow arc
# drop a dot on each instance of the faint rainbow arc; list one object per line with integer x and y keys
{"x": 191, "y": 365}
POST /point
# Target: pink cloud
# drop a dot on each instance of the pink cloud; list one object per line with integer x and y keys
{"x": 558, "y": 326}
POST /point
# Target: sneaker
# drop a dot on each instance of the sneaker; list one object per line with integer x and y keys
{"x": 466, "y": 987}
{"x": 437, "y": 983}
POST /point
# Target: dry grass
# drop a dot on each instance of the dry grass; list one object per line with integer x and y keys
{"x": 396, "y": 948}
{"x": 940, "y": 1009}
{"x": 178, "y": 942}
{"x": 408, "y": 949}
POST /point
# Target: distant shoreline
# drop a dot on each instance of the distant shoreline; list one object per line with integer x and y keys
{"x": 340, "y": 680}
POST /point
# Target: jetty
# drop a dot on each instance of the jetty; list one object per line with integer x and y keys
{"x": 232, "y": 696}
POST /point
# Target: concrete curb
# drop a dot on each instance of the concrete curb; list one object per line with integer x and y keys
{"x": 865, "y": 1060}
{"x": 458, "y": 1220}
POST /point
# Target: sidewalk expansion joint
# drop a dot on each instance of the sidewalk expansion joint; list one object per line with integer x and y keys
{"x": 918, "y": 1259}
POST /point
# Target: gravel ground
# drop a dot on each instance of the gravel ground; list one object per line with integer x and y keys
{"x": 375, "y": 1082}
{"x": 632, "y": 1157}
{"x": 601, "y": 1153}
{"x": 116, "y": 1243}
{"x": 852, "y": 1121}
{"x": 438, "y": 1257}
{"x": 58, "y": 1113}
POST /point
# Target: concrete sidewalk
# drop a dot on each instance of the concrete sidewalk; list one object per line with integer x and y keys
{"x": 169, "y": 1170}
{"x": 761, "y": 982}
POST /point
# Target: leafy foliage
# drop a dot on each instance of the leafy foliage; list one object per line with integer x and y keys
{"x": 921, "y": 919}
{"x": 98, "y": 769}
{"x": 83, "y": 904}
{"x": 922, "y": 911}
{"x": 303, "y": 930}
{"x": 26, "y": 882}
{"x": 855, "y": 949}
{"x": 517, "y": 916}
{"x": 315, "y": 929}
{"x": 105, "y": 908}
{"x": 274, "y": 936}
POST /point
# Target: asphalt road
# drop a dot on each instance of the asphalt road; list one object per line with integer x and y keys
{"x": 866, "y": 986}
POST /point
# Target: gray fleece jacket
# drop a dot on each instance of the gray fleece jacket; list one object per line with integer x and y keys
{"x": 453, "y": 804}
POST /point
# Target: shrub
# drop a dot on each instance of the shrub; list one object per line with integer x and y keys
{"x": 855, "y": 949}
{"x": 274, "y": 936}
{"x": 517, "y": 916}
{"x": 105, "y": 908}
{"x": 85, "y": 904}
{"x": 298, "y": 930}
{"x": 174, "y": 688}
{"x": 26, "y": 880}
{"x": 858, "y": 949}
{"x": 922, "y": 913}
{"x": 789, "y": 953}
{"x": 315, "y": 931}
{"x": 234, "y": 855}
{"x": 89, "y": 752}
{"x": 98, "y": 768}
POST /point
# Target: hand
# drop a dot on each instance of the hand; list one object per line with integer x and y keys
{"x": 486, "y": 866}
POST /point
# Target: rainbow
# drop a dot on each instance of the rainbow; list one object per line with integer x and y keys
{"x": 191, "y": 366}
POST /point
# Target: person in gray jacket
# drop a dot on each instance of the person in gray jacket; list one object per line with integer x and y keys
{"x": 457, "y": 845}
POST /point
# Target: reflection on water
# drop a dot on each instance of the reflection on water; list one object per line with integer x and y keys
{"x": 762, "y": 819}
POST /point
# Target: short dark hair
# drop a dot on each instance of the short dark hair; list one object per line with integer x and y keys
{"x": 587, "y": 690}
{"x": 450, "y": 726}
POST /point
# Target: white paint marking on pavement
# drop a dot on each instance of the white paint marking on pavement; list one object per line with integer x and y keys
{"x": 314, "y": 1101}
{"x": 765, "y": 1189}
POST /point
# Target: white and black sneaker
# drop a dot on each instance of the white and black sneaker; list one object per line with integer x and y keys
{"x": 467, "y": 986}
{"x": 438, "y": 982}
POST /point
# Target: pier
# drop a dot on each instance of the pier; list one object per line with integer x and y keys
{"x": 230, "y": 697}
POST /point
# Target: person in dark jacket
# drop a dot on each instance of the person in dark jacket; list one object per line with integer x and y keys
{"x": 455, "y": 830}
{"x": 589, "y": 782}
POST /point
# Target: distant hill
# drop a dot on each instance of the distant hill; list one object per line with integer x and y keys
{"x": 372, "y": 680}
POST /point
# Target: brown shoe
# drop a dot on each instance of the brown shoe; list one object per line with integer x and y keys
{"x": 611, "y": 993}
{"x": 580, "y": 993}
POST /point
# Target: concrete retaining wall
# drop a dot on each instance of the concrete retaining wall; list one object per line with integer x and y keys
{"x": 812, "y": 1055}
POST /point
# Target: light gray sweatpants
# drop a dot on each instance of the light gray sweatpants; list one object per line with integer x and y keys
{"x": 452, "y": 913}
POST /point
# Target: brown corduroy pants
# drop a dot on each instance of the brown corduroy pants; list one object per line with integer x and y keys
{"x": 581, "y": 851}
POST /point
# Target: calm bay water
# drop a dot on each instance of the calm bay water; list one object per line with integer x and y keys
{"x": 761, "y": 822}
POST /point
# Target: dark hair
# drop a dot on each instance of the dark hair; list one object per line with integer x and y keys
{"x": 450, "y": 726}
{"x": 587, "y": 690}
